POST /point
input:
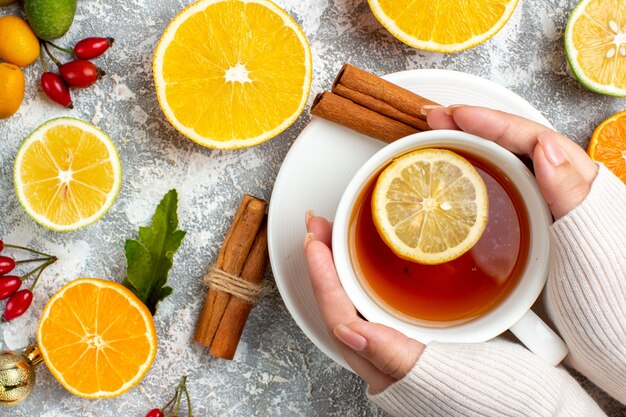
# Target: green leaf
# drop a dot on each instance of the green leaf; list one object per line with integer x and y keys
{"x": 150, "y": 258}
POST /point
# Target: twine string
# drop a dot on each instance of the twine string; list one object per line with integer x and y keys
{"x": 234, "y": 285}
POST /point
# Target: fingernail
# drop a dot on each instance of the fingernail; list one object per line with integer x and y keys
{"x": 350, "y": 338}
{"x": 552, "y": 149}
{"x": 308, "y": 215}
{"x": 450, "y": 109}
{"x": 427, "y": 108}
{"x": 308, "y": 238}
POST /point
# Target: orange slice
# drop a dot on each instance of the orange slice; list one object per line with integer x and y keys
{"x": 232, "y": 73}
{"x": 97, "y": 338}
{"x": 443, "y": 25}
{"x": 608, "y": 144}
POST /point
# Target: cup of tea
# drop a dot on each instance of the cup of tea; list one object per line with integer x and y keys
{"x": 473, "y": 298}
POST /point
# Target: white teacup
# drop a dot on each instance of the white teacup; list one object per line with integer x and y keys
{"x": 513, "y": 312}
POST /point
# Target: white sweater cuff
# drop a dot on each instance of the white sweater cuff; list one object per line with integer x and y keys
{"x": 586, "y": 290}
{"x": 496, "y": 378}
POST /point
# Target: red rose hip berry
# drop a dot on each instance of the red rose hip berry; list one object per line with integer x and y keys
{"x": 80, "y": 73}
{"x": 6, "y": 265}
{"x": 56, "y": 89}
{"x": 9, "y": 284}
{"x": 91, "y": 48}
{"x": 17, "y": 304}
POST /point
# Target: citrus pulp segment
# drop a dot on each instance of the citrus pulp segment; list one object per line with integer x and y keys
{"x": 443, "y": 25}
{"x": 430, "y": 206}
{"x": 67, "y": 174}
{"x": 608, "y": 144}
{"x": 97, "y": 338}
{"x": 595, "y": 42}
{"x": 232, "y": 73}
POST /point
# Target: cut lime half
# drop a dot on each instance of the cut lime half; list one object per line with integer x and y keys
{"x": 595, "y": 42}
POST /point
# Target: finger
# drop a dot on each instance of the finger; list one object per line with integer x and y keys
{"x": 562, "y": 184}
{"x": 321, "y": 228}
{"x": 388, "y": 350}
{"x": 334, "y": 304}
{"x": 335, "y": 307}
{"x": 522, "y": 136}
{"x": 375, "y": 379}
{"x": 515, "y": 133}
{"x": 439, "y": 118}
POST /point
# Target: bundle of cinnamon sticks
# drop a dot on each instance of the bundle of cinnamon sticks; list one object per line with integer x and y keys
{"x": 372, "y": 106}
{"x": 244, "y": 255}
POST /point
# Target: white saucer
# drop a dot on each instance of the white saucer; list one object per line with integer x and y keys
{"x": 319, "y": 166}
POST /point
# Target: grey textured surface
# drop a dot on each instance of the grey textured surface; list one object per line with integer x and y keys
{"x": 277, "y": 371}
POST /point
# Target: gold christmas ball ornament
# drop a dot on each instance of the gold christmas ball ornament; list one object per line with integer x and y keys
{"x": 17, "y": 375}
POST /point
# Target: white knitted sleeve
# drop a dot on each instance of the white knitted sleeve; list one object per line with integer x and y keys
{"x": 497, "y": 379}
{"x": 586, "y": 290}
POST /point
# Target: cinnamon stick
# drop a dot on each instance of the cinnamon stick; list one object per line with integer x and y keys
{"x": 382, "y": 94}
{"x": 234, "y": 319}
{"x": 347, "y": 113}
{"x": 379, "y": 106}
{"x": 231, "y": 259}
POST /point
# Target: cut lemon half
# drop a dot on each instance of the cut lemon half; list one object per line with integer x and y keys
{"x": 608, "y": 144}
{"x": 67, "y": 174}
{"x": 595, "y": 42}
{"x": 97, "y": 338}
{"x": 430, "y": 206}
{"x": 232, "y": 73}
{"x": 443, "y": 25}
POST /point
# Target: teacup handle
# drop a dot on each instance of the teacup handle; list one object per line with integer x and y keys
{"x": 539, "y": 338}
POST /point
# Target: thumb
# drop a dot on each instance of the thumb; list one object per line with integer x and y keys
{"x": 561, "y": 183}
{"x": 388, "y": 350}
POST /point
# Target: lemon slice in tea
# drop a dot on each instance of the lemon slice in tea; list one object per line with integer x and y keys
{"x": 430, "y": 206}
{"x": 67, "y": 174}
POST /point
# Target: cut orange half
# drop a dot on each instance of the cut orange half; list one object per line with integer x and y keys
{"x": 608, "y": 144}
{"x": 430, "y": 206}
{"x": 595, "y": 42}
{"x": 67, "y": 174}
{"x": 232, "y": 73}
{"x": 443, "y": 25}
{"x": 97, "y": 338}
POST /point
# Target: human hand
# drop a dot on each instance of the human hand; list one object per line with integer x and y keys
{"x": 379, "y": 354}
{"x": 437, "y": 385}
{"x": 563, "y": 170}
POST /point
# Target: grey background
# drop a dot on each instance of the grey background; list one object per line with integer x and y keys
{"x": 277, "y": 370}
